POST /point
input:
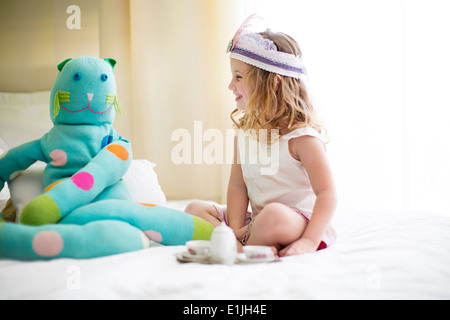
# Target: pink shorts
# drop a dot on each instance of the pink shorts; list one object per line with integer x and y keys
{"x": 222, "y": 213}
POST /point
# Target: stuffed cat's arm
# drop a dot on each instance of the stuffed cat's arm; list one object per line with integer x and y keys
{"x": 108, "y": 166}
{"x": 111, "y": 163}
{"x": 20, "y": 158}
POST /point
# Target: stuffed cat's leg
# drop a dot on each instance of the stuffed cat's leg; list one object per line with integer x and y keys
{"x": 104, "y": 170}
{"x": 95, "y": 239}
{"x": 161, "y": 224}
{"x": 119, "y": 190}
{"x": 17, "y": 159}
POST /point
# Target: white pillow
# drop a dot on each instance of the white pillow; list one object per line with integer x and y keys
{"x": 141, "y": 180}
{"x": 3, "y": 146}
{"x": 27, "y": 186}
{"x": 24, "y": 117}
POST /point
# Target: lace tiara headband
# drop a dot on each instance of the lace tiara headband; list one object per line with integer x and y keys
{"x": 252, "y": 48}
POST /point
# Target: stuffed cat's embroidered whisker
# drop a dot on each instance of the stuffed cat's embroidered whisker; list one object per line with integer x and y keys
{"x": 112, "y": 99}
{"x": 60, "y": 96}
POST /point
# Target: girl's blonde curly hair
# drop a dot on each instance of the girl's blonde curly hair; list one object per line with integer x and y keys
{"x": 277, "y": 102}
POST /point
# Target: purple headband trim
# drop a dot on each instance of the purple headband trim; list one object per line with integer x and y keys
{"x": 267, "y": 61}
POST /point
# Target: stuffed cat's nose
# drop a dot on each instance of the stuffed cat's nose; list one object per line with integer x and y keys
{"x": 90, "y": 95}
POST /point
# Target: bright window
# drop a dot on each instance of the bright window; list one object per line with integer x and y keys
{"x": 379, "y": 73}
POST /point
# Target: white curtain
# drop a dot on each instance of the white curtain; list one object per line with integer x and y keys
{"x": 179, "y": 82}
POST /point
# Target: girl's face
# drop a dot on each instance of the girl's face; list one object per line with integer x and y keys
{"x": 239, "y": 85}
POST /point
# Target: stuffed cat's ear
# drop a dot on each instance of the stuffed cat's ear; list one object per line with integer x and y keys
{"x": 62, "y": 64}
{"x": 112, "y": 62}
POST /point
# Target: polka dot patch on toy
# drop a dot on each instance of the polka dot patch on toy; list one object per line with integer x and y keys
{"x": 59, "y": 158}
{"x": 48, "y": 243}
{"x": 119, "y": 151}
{"x": 83, "y": 180}
{"x": 153, "y": 235}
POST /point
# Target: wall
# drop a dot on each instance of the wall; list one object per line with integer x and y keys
{"x": 36, "y": 36}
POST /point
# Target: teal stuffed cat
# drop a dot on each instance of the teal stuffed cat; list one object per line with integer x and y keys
{"x": 86, "y": 210}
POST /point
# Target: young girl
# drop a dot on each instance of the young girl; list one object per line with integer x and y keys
{"x": 293, "y": 205}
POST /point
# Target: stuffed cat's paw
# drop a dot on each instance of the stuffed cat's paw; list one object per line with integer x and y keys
{"x": 42, "y": 210}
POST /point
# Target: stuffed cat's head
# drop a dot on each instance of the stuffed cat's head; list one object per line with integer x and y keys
{"x": 84, "y": 92}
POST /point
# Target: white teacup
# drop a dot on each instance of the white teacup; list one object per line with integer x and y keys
{"x": 258, "y": 252}
{"x": 199, "y": 247}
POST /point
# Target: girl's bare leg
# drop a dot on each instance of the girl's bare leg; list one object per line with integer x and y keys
{"x": 276, "y": 225}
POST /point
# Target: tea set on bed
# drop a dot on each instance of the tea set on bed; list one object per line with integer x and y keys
{"x": 222, "y": 249}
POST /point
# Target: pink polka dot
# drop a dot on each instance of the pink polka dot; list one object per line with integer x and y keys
{"x": 83, "y": 180}
{"x": 48, "y": 243}
{"x": 153, "y": 235}
{"x": 59, "y": 158}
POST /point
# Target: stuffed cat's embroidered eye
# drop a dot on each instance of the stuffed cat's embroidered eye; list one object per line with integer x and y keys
{"x": 77, "y": 76}
{"x": 104, "y": 77}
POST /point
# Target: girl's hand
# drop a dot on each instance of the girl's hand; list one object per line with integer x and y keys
{"x": 300, "y": 246}
{"x": 239, "y": 233}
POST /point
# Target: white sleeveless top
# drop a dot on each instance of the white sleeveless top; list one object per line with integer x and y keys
{"x": 271, "y": 174}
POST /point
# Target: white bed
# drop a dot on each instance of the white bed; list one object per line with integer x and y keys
{"x": 378, "y": 255}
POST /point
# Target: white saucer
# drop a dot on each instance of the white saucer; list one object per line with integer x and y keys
{"x": 243, "y": 259}
{"x": 187, "y": 257}
{"x": 186, "y": 254}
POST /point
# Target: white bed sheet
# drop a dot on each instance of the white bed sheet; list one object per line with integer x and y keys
{"x": 378, "y": 255}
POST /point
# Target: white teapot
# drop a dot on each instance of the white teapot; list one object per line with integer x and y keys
{"x": 223, "y": 245}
